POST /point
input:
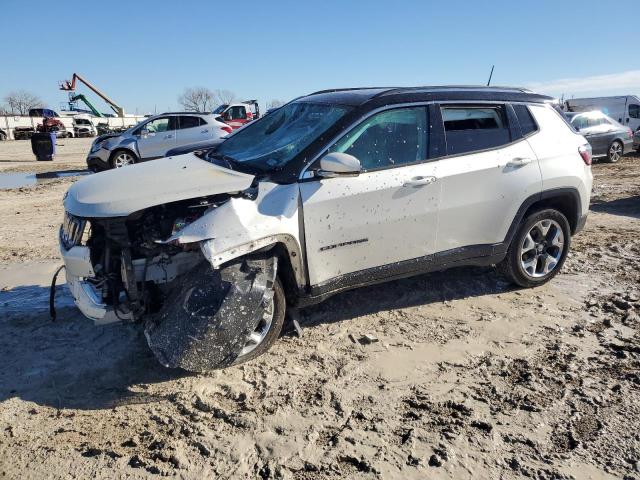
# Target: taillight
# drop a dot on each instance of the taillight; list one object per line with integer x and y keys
{"x": 629, "y": 133}
{"x": 227, "y": 129}
{"x": 585, "y": 153}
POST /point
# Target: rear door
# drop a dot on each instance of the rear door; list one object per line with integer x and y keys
{"x": 156, "y": 137}
{"x": 490, "y": 169}
{"x": 192, "y": 130}
{"x": 385, "y": 215}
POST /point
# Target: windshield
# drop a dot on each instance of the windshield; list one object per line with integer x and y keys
{"x": 274, "y": 140}
{"x": 82, "y": 121}
{"x": 220, "y": 109}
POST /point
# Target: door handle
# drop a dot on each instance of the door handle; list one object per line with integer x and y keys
{"x": 518, "y": 162}
{"x": 419, "y": 181}
{"x": 204, "y": 131}
{"x": 168, "y": 136}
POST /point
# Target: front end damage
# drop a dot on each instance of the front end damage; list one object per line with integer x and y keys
{"x": 161, "y": 267}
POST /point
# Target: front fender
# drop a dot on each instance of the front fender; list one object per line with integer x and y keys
{"x": 243, "y": 225}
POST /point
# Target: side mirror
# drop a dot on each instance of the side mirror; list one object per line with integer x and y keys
{"x": 339, "y": 165}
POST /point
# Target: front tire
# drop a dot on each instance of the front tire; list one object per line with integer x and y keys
{"x": 538, "y": 249}
{"x": 122, "y": 158}
{"x": 269, "y": 328}
{"x": 616, "y": 149}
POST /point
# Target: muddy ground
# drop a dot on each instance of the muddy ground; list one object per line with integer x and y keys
{"x": 470, "y": 378}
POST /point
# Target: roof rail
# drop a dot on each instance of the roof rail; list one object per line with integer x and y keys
{"x": 182, "y": 113}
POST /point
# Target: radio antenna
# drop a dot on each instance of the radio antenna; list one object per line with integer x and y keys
{"x": 490, "y": 75}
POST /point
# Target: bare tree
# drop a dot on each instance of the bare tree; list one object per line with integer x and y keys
{"x": 225, "y": 97}
{"x": 275, "y": 103}
{"x": 198, "y": 99}
{"x": 19, "y": 102}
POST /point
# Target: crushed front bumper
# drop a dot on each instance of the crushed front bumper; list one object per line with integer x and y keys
{"x": 99, "y": 160}
{"x": 77, "y": 262}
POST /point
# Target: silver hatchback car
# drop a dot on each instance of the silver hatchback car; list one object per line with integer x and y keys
{"x": 153, "y": 138}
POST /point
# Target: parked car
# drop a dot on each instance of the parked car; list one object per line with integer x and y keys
{"x": 625, "y": 109}
{"x": 607, "y": 137}
{"x": 83, "y": 126}
{"x": 153, "y": 138}
{"x": 238, "y": 114}
{"x": 333, "y": 191}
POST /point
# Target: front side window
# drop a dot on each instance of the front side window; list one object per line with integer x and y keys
{"x": 237, "y": 113}
{"x": 272, "y": 141}
{"x": 474, "y": 128}
{"x": 634, "y": 111}
{"x": 158, "y": 125}
{"x": 387, "y": 139}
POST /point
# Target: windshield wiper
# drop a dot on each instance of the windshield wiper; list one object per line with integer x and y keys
{"x": 229, "y": 161}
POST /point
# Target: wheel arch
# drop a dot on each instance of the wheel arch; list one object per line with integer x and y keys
{"x": 291, "y": 265}
{"x": 565, "y": 200}
{"x": 120, "y": 148}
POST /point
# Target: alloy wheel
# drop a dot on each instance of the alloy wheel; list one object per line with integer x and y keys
{"x": 256, "y": 337}
{"x": 122, "y": 159}
{"x": 542, "y": 248}
{"x": 615, "y": 152}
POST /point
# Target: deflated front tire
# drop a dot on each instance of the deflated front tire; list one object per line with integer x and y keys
{"x": 216, "y": 318}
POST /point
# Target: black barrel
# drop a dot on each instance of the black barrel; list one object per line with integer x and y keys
{"x": 43, "y": 145}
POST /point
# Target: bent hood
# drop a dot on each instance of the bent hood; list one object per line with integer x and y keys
{"x": 120, "y": 192}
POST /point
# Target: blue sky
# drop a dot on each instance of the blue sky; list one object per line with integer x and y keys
{"x": 144, "y": 53}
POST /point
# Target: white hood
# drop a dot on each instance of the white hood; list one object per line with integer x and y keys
{"x": 120, "y": 192}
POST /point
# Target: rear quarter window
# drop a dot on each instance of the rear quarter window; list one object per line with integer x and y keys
{"x": 473, "y": 128}
{"x": 527, "y": 123}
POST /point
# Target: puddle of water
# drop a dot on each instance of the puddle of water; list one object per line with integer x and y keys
{"x": 26, "y": 299}
{"x": 17, "y": 180}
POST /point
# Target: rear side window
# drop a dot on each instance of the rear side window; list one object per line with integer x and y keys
{"x": 472, "y": 128}
{"x": 634, "y": 111}
{"x": 527, "y": 124}
{"x": 190, "y": 122}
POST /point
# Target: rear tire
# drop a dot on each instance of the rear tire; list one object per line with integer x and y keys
{"x": 122, "y": 158}
{"x": 615, "y": 151}
{"x": 538, "y": 250}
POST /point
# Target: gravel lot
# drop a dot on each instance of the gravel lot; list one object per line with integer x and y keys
{"x": 470, "y": 378}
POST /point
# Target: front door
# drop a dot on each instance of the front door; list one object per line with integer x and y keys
{"x": 633, "y": 116}
{"x": 157, "y": 137}
{"x": 236, "y": 116}
{"x": 387, "y": 214}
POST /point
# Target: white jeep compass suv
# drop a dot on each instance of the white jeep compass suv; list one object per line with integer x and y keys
{"x": 334, "y": 190}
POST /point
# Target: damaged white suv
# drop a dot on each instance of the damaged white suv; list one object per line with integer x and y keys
{"x": 335, "y": 190}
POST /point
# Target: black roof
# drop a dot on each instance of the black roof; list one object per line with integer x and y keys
{"x": 359, "y": 96}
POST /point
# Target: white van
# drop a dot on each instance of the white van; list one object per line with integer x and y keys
{"x": 624, "y": 109}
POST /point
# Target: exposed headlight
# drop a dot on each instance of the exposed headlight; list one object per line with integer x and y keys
{"x": 96, "y": 146}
